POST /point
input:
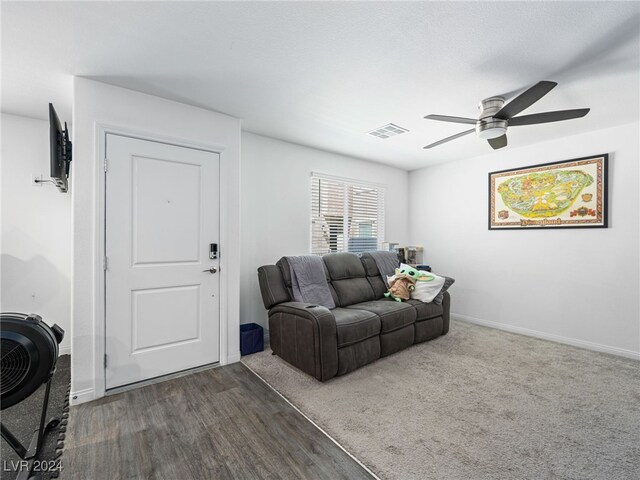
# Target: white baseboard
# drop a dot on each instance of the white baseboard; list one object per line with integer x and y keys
{"x": 64, "y": 350}
{"x": 233, "y": 358}
{"x": 598, "y": 347}
{"x": 82, "y": 396}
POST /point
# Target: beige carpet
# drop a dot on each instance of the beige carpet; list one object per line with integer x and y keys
{"x": 478, "y": 404}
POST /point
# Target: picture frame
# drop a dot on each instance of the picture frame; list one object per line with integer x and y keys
{"x": 565, "y": 194}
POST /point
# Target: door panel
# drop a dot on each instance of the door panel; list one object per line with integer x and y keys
{"x": 162, "y": 212}
{"x": 154, "y": 314}
{"x": 165, "y": 193}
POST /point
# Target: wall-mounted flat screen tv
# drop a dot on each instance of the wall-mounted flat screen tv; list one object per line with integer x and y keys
{"x": 60, "y": 151}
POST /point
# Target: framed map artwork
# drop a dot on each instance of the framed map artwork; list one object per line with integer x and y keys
{"x": 567, "y": 194}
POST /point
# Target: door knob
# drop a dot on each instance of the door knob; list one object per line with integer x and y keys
{"x": 211, "y": 270}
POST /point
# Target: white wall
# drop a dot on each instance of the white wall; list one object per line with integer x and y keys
{"x": 579, "y": 286}
{"x": 35, "y": 241}
{"x": 276, "y": 204}
{"x": 98, "y": 104}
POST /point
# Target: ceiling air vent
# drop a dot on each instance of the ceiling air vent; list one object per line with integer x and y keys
{"x": 387, "y": 131}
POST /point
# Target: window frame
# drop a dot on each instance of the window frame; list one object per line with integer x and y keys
{"x": 347, "y": 183}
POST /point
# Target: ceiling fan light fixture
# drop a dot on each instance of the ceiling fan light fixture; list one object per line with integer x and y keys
{"x": 492, "y": 128}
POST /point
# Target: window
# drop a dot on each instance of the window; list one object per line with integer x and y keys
{"x": 346, "y": 215}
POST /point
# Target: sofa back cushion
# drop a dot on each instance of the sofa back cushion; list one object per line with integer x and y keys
{"x": 348, "y": 277}
{"x": 373, "y": 275}
{"x": 285, "y": 269}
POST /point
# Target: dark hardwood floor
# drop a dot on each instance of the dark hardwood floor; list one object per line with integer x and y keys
{"x": 216, "y": 424}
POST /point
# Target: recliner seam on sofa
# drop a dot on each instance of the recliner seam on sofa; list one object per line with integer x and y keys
{"x": 398, "y": 328}
{"x": 358, "y": 321}
{"x": 358, "y": 341}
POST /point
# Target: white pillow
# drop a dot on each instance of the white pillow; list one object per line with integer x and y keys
{"x": 426, "y": 290}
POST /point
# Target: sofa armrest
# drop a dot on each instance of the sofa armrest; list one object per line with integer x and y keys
{"x": 446, "y": 312}
{"x": 305, "y": 335}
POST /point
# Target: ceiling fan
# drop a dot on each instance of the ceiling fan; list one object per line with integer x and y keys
{"x": 495, "y": 116}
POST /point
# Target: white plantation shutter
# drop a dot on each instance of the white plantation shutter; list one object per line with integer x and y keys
{"x": 346, "y": 215}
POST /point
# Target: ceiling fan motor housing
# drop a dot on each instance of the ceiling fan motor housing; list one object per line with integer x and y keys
{"x": 488, "y": 126}
{"x": 490, "y": 106}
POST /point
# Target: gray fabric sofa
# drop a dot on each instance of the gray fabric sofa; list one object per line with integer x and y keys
{"x": 363, "y": 327}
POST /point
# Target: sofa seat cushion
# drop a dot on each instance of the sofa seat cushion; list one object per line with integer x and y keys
{"x": 393, "y": 315}
{"x": 354, "y": 326}
{"x": 426, "y": 310}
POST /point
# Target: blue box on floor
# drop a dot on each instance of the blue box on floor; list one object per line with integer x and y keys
{"x": 251, "y": 338}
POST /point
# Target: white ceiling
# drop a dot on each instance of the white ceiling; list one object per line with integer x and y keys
{"x": 324, "y": 73}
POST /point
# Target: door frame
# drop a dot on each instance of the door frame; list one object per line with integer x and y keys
{"x": 100, "y": 325}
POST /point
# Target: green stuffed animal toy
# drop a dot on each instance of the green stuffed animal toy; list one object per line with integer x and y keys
{"x": 404, "y": 282}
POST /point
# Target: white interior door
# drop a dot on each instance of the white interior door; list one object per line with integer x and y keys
{"x": 162, "y": 213}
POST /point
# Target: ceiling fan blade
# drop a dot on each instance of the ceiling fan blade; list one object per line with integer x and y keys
{"x": 547, "y": 117}
{"x": 447, "y": 118}
{"x": 452, "y": 137}
{"x": 525, "y": 100}
{"x": 498, "y": 142}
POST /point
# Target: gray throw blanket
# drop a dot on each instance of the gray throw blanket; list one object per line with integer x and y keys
{"x": 387, "y": 263}
{"x": 308, "y": 281}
